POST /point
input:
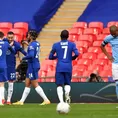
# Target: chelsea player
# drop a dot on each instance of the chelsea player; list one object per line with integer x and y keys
{"x": 32, "y": 71}
{"x": 112, "y": 39}
{"x": 63, "y": 50}
{"x": 4, "y": 46}
{"x": 11, "y": 63}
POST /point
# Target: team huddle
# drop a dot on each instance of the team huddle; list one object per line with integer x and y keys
{"x": 65, "y": 51}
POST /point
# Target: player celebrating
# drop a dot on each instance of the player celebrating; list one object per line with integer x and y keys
{"x": 11, "y": 63}
{"x": 4, "y": 46}
{"x": 113, "y": 40}
{"x": 32, "y": 71}
{"x": 64, "y": 50}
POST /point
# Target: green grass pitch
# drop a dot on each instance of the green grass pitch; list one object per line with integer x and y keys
{"x": 49, "y": 111}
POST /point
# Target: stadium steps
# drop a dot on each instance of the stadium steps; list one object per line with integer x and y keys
{"x": 64, "y": 18}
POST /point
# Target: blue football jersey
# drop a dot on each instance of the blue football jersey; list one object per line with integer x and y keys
{"x": 11, "y": 56}
{"x": 114, "y": 45}
{"x": 4, "y": 46}
{"x": 33, "y": 54}
{"x": 64, "y": 50}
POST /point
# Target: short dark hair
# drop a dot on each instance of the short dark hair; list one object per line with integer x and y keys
{"x": 10, "y": 33}
{"x": 64, "y": 34}
{"x": 113, "y": 28}
{"x": 33, "y": 34}
{"x": 1, "y": 34}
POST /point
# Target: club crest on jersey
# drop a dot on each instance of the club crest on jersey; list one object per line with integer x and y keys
{"x": 8, "y": 52}
{"x": 31, "y": 47}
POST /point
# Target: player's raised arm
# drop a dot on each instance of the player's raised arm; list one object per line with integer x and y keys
{"x": 52, "y": 52}
{"x": 75, "y": 50}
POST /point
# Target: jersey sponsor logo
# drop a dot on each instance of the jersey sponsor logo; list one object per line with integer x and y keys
{"x": 1, "y": 42}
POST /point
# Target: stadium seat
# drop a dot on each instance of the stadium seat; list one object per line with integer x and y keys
{"x": 51, "y": 74}
{"x": 74, "y": 62}
{"x": 5, "y": 25}
{"x": 107, "y": 67}
{"x": 106, "y": 73}
{"x": 87, "y": 73}
{"x": 42, "y": 73}
{"x": 50, "y": 80}
{"x": 112, "y": 23}
{"x": 75, "y": 80}
{"x": 84, "y": 62}
{"x": 41, "y": 80}
{"x": 21, "y": 25}
{"x": 102, "y": 56}
{"x": 84, "y": 44}
{"x": 76, "y": 31}
{"x": 94, "y": 49}
{"x": 98, "y": 25}
{"x": 106, "y": 31}
{"x": 89, "y": 55}
{"x": 100, "y": 61}
{"x": 97, "y": 43}
{"x": 81, "y": 49}
{"x": 101, "y": 37}
{"x": 83, "y": 80}
{"x": 80, "y": 68}
{"x": 91, "y": 31}
{"x": 73, "y": 37}
{"x": 95, "y": 67}
{"x": 80, "y": 25}
{"x": 86, "y": 38}
{"x": 5, "y": 31}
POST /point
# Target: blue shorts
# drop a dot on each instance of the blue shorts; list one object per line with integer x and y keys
{"x": 32, "y": 73}
{"x": 3, "y": 74}
{"x": 63, "y": 78}
{"x": 11, "y": 73}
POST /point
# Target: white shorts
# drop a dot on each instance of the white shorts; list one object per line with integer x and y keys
{"x": 115, "y": 71}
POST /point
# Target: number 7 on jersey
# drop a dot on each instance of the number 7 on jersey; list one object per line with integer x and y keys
{"x": 65, "y": 51}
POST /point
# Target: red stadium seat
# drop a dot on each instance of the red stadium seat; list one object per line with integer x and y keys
{"x": 106, "y": 31}
{"x": 75, "y": 80}
{"x": 81, "y": 49}
{"x": 100, "y": 61}
{"x": 101, "y": 37}
{"x": 97, "y": 43}
{"x": 80, "y": 25}
{"x": 5, "y": 25}
{"x": 76, "y": 31}
{"x": 87, "y": 73}
{"x": 42, "y": 73}
{"x": 94, "y": 49}
{"x": 50, "y": 80}
{"x": 106, "y": 73}
{"x": 5, "y": 31}
{"x": 91, "y": 31}
{"x": 73, "y": 37}
{"x": 21, "y": 25}
{"x": 98, "y": 25}
{"x": 84, "y": 62}
{"x": 86, "y": 38}
{"x": 51, "y": 74}
{"x": 74, "y": 62}
{"x": 95, "y": 67}
{"x": 89, "y": 55}
{"x": 102, "y": 56}
{"x": 83, "y": 80}
{"x": 41, "y": 80}
{"x": 84, "y": 44}
{"x": 112, "y": 23}
{"x": 107, "y": 67}
{"x": 80, "y": 68}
